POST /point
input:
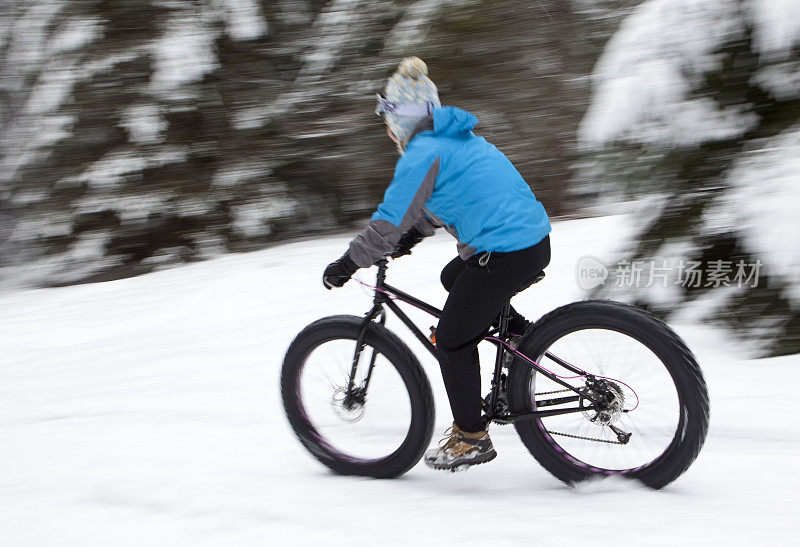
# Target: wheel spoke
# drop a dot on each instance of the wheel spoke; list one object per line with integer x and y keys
{"x": 614, "y": 355}
{"x": 367, "y": 430}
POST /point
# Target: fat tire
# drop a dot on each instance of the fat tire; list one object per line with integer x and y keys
{"x": 662, "y": 341}
{"x": 408, "y": 367}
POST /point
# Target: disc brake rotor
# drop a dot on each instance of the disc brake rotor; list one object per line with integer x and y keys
{"x": 610, "y": 411}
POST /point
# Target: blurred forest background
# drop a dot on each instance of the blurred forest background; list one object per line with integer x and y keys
{"x": 139, "y": 134}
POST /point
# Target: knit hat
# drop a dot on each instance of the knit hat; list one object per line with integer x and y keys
{"x": 409, "y": 85}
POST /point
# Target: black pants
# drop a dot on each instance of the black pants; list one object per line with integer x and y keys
{"x": 477, "y": 295}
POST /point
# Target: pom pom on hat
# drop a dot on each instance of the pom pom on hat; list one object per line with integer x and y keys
{"x": 412, "y": 67}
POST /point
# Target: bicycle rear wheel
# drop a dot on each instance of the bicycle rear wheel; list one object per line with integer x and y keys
{"x": 380, "y": 424}
{"x": 657, "y": 418}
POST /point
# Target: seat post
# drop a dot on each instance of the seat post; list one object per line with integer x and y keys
{"x": 505, "y": 316}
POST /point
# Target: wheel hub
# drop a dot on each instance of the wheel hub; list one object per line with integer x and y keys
{"x": 602, "y": 402}
{"x": 348, "y": 406}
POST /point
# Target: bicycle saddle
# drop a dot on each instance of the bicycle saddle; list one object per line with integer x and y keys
{"x": 535, "y": 279}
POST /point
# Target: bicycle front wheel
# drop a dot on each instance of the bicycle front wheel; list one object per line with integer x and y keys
{"x": 654, "y": 418}
{"x": 376, "y": 420}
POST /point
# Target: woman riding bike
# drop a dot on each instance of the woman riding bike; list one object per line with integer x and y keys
{"x": 449, "y": 177}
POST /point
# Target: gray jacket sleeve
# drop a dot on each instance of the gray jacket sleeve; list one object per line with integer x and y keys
{"x": 426, "y": 226}
{"x": 381, "y": 236}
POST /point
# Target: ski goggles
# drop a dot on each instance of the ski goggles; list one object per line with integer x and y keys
{"x": 386, "y": 106}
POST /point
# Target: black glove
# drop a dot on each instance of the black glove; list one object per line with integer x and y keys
{"x": 338, "y": 273}
{"x": 407, "y": 241}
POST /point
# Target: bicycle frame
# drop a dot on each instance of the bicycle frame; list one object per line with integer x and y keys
{"x": 385, "y": 295}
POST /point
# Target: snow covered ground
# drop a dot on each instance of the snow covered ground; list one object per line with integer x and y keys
{"x": 146, "y": 411}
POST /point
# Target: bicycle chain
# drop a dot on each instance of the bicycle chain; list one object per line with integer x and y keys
{"x": 551, "y": 392}
{"x": 575, "y": 436}
{"x": 584, "y": 438}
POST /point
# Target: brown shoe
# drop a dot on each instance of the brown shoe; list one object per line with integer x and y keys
{"x": 460, "y": 449}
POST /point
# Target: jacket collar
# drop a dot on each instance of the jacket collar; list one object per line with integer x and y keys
{"x": 425, "y": 124}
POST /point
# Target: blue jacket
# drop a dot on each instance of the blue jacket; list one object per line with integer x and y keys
{"x": 450, "y": 177}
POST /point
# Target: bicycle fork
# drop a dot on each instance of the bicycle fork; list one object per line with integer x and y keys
{"x": 358, "y": 395}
